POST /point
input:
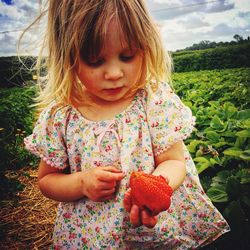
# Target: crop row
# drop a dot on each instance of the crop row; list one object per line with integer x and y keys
{"x": 220, "y": 145}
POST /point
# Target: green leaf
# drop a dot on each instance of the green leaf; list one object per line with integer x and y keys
{"x": 202, "y": 166}
{"x": 221, "y": 178}
{"x": 240, "y": 142}
{"x": 235, "y": 215}
{"x": 213, "y": 161}
{"x": 206, "y": 182}
{"x": 244, "y": 175}
{"x": 236, "y": 152}
{"x": 217, "y": 194}
{"x": 201, "y": 159}
{"x": 233, "y": 188}
{"x": 246, "y": 200}
{"x": 192, "y": 145}
{"x": 213, "y": 136}
{"x": 243, "y": 133}
{"x": 217, "y": 124}
{"x": 245, "y": 155}
{"x": 220, "y": 144}
{"x": 245, "y": 123}
{"x": 243, "y": 114}
{"x": 230, "y": 110}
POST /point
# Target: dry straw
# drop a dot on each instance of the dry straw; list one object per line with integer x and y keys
{"x": 28, "y": 222}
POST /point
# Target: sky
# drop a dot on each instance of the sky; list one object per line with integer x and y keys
{"x": 182, "y": 23}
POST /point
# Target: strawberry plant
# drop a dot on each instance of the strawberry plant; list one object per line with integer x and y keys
{"x": 16, "y": 122}
{"x": 220, "y": 145}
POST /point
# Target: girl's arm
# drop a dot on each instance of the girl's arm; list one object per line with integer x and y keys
{"x": 98, "y": 184}
{"x": 171, "y": 165}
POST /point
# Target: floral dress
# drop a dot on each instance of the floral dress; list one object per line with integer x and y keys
{"x": 155, "y": 120}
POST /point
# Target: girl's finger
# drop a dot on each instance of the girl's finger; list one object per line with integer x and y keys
{"x": 147, "y": 220}
{"x": 110, "y": 176}
{"x": 112, "y": 169}
{"x": 134, "y": 216}
{"x": 107, "y": 198}
{"x": 103, "y": 185}
{"x": 127, "y": 202}
{"x": 107, "y": 192}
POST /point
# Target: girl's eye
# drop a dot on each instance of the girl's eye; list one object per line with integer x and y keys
{"x": 95, "y": 63}
{"x": 127, "y": 58}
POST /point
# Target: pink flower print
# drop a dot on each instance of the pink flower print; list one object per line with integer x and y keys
{"x": 72, "y": 236}
{"x": 58, "y": 125}
{"x": 89, "y": 207}
{"x": 77, "y": 159}
{"x": 115, "y": 236}
{"x": 182, "y": 223}
{"x": 164, "y": 229}
{"x": 140, "y": 134}
{"x": 220, "y": 224}
{"x": 158, "y": 102}
{"x": 84, "y": 240}
{"x": 148, "y": 153}
{"x": 108, "y": 148}
{"x": 126, "y": 219}
{"x": 67, "y": 215}
{"x": 202, "y": 215}
{"x": 127, "y": 120}
{"x": 155, "y": 124}
{"x": 97, "y": 163}
{"x": 189, "y": 185}
{"x": 52, "y": 154}
{"x": 177, "y": 128}
{"x": 143, "y": 118}
{"x": 140, "y": 168}
{"x": 170, "y": 210}
{"x": 75, "y": 117}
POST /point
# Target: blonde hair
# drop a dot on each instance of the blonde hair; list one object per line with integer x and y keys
{"x": 77, "y": 28}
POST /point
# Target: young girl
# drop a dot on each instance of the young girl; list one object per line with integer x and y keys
{"x": 106, "y": 112}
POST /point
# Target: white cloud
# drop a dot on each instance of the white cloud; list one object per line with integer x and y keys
{"x": 13, "y": 19}
{"x": 193, "y": 22}
{"x": 182, "y": 22}
{"x": 165, "y": 10}
{"x": 9, "y": 11}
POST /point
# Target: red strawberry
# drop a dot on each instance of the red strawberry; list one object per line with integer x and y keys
{"x": 150, "y": 192}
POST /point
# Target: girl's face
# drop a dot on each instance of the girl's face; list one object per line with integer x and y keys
{"x": 115, "y": 71}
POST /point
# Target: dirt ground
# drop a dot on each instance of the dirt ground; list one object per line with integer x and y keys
{"x": 27, "y": 221}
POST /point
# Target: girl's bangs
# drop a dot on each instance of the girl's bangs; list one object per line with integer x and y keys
{"x": 93, "y": 36}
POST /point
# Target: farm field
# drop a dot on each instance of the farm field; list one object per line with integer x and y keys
{"x": 219, "y": 146}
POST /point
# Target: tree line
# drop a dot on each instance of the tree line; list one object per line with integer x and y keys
{"x": 206, "y": 44}
{"x": 204, "y": 56}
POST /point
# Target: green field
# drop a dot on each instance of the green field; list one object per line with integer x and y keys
{"x": 219, "y": 146}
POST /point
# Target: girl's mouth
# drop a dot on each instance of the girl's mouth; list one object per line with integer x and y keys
{"x": 114, "y": 91}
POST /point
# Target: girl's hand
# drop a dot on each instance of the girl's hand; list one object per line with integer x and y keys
{"x": 99, "y": 184}
{"x": 137, "y": 216}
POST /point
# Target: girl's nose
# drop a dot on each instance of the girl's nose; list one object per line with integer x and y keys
{"x": 113, "y": 72}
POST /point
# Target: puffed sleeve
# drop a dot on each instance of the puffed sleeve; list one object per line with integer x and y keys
{"x": 48, "y": 138}
{"x": 169, "y": 119}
